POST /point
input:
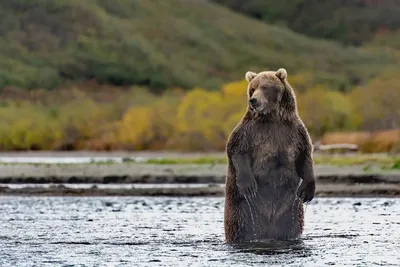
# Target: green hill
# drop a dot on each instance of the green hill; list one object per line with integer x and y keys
{"x": 160, "y": 44}
{"x": 351, "y": 22}
{"x": 388, "y": 40}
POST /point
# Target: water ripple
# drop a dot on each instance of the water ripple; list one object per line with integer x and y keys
{"x": 164, "y": 231}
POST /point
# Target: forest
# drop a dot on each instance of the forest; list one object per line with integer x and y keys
{"x": 169, "y": 75}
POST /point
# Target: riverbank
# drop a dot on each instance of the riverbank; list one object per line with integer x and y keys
{"x": 174, "y": 174}
{"x": 322, "y": 190}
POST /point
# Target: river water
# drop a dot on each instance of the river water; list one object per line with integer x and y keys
{"x": 161, "y": 231}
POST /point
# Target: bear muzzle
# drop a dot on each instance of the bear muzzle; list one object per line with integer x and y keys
{"x": 253, "y": 102}
{"x": 256, "y": 105}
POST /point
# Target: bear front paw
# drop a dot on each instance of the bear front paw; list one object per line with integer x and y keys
{"x": 306, "y": 191}
{"x": 248, "y": 187}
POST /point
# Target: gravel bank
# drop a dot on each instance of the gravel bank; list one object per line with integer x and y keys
{"x": 331, "y": 180}
{"x": 322, "y": 190}
{"x": 164, "y": 173}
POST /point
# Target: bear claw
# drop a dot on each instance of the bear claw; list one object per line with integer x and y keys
{"x": 248, "y": 187}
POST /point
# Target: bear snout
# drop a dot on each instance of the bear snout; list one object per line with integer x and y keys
{"x": 253, "y": 102}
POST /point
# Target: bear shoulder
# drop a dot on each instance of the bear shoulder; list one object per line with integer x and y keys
{"x": 238, "y": 140}
{"x": 304, "y": 137}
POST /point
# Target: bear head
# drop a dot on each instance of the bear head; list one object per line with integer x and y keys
{"x": 269, "y": 93}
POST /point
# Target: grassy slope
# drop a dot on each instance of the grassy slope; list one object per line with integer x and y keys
{"x": 389, "y": 41}
{"x": 352, "y": 22}
{"x": 158, "y": 44}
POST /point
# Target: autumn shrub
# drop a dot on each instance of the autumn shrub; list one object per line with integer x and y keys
{"x": 24, "y": 126}
{"x": 81, "y": 120}
{"x": 359, "y": 117}
{"x": 376, "y": 104}
{"x": 368, "y": 142}
{"x": 382, "y": 141}
{"x": 357, "y": 138}
{"x": 199, "y": 120}
{"x": 151, "y": 124}
{"x": 323, "y": 110}
{"x": 135, "y": 129}
{"x": 234, "y": 104}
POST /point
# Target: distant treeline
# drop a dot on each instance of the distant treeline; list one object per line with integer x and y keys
{"x": 350, "y": 22}
{"x": 106, "y": 118}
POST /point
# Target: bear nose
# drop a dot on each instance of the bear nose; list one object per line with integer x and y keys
{"x": 253, "y": 101}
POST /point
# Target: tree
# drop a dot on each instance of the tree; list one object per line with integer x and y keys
{"x": 377, "y": 103}
{"x": 323, "y": 110}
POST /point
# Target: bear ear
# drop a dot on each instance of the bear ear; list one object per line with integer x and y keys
{"x": 250, "y": 76}
{"x": 281, "y": 74}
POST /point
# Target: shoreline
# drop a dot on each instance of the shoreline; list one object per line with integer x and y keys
{"x": 324, "y": 190}
{"x": 206, "y": 179}
{"x": 132, "y": 173}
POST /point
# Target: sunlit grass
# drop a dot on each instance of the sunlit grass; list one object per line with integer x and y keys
{"x": 360, "y": 159}
{"x": 336, "y": 160}
{"x": 385, "y": 162}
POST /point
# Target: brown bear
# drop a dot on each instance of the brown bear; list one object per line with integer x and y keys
{"x": 270, "y": 167}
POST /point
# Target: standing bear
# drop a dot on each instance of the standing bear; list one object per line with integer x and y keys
{"x": 270, "y": 167}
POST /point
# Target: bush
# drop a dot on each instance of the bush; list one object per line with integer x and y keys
{"x": 382, "y": 141}
{"x": 368, "y": 142}
{"x": 200, "y": 120}
{"x": 27, "y": 127}
{"x": 377, "y": 103}
{"x": 151, "y": 124}
{"x": 81, "y": 120}
{"x": 357, "y": 138}
{"x": 323, "y": 110}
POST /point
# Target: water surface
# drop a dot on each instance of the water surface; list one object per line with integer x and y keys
{"x": 67, "y": 160}
{"x": 161, "y": 231}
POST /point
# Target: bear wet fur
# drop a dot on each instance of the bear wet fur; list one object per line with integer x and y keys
{"x": 270, "y": 167}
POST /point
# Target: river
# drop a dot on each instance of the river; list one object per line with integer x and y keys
{"x": 162, "y": 231}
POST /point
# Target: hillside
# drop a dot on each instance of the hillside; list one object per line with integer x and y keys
{"x": 387, "y": 40}
{"x": 350, "y": 22}
{"x": 159, "y": 44}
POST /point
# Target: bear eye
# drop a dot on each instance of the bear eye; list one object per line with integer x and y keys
{"x": 271, "y": 88}
{"x": 252, "y": 90}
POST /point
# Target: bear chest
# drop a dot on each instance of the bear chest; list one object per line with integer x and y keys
{"x": 274, "y": 149}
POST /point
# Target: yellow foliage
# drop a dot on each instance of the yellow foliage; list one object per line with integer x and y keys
{"x": 301, "y": 82}
{"x": 199, "y": 119}
{"x": 377, "y": 103}
{"x": 194, "y": 120}
{"x": 25, "y": 127}
{"x": 323, "y": 110}
{"x": 81, "y": 119}
{"x": 238, "y": 90}
{"x": 234, "y": 104}
{"x": 136, "y": 127}
{"x": 368, "y": 142}
{"x": 164, "y": 120}
{"x": 150, "y": 126}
